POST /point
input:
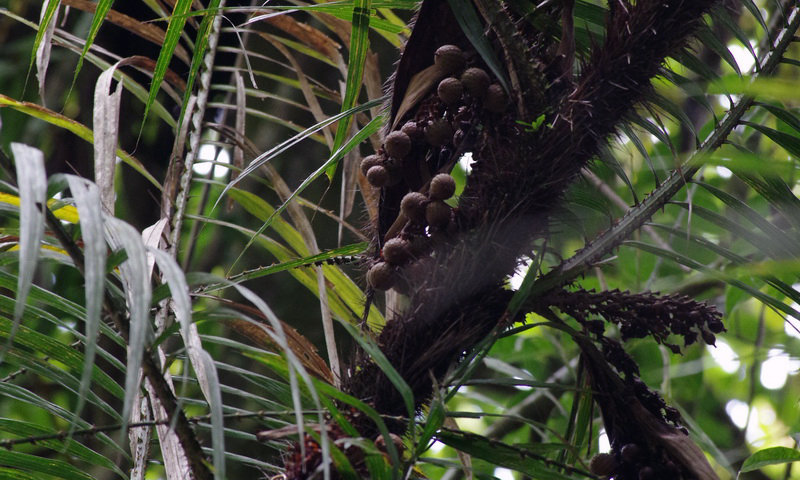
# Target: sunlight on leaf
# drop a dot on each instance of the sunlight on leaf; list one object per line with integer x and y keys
{"x": 770, "y": 456}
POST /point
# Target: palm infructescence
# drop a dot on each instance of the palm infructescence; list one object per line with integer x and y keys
{"x": 152, "y": 320}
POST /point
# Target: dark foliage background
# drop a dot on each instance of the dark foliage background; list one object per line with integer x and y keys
{"x": 691, "y": 194}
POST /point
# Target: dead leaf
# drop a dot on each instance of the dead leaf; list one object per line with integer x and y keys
{"x": 147, "y": 31}
{"x": 299, "y": 344}
{"x": 418, "y": 88}
{"x": 308, "y": 35}
{"x": 43, "y": 52}
{"x": 106, "y": 132}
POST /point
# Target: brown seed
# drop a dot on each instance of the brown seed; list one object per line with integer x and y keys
{"x": 437, "y": 214}
{"x": 413, "y": 206}
{"x": 450, "y": 90}
{"x": 378, "y": 176}
{"x": 370, "y": 161}
{"x": 443, "y": 186}
{"x": 413, "y": 131}
{"x": 397, "y": 144}
{"x": 476, "y": 81}
{"x": 496, "y": 99}
{"x": 603, "y": 464}
{"x": 396, "y": 251}
{"x": 439, "y": 132}
{"x": 381, "y": 276}
{"x": 449, "y": 58}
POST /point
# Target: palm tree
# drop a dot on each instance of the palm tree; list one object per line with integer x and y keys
{"x": 164, "y": 318}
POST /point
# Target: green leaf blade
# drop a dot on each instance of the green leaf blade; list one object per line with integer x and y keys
{"x": 359, "y": 45}
{"x": 174, "y": 30}
{"x": 770, "y": 456}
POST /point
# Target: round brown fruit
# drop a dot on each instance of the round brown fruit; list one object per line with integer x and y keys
{"x": 381, "y": 276}
{"x": 449, "y": 59}
{"x": 476, "y": 81}
{"x": 396, "y": 251}
{"x": 378, "y": 176}
{"x": 443, "y": 186}
{"x": 496, "y": 99}
{"x": 603, "y": 464}
{"x": 413, "y": 205}
{"x": 370, "y": 161}
{"x": 437, "y": 214}
{"x": 450, "y": 90}
{"x": 439, "y": 132}
{"x": 413, "y": 130}
{"x": 397, "y": 144}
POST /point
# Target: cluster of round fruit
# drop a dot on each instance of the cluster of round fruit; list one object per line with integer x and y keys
{"x": 421, "y": 210}
{"x": 473, "y": 81}
{"x": 461, "y": 91}
{"x": 383, "y": 168}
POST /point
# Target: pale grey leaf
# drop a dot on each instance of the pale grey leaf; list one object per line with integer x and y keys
{"x": 32, "y": 181}
{"x": 87, "y": 200}
{"x": 200, "y": 360}
{"x": 106, "y": 132}
{"x": 138, "y": 292}
{"x": 43, "y": 51}
{"x": 215, "y": 405}
{"x": 152, "y": 237}
{"x": 181, "y": 304}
